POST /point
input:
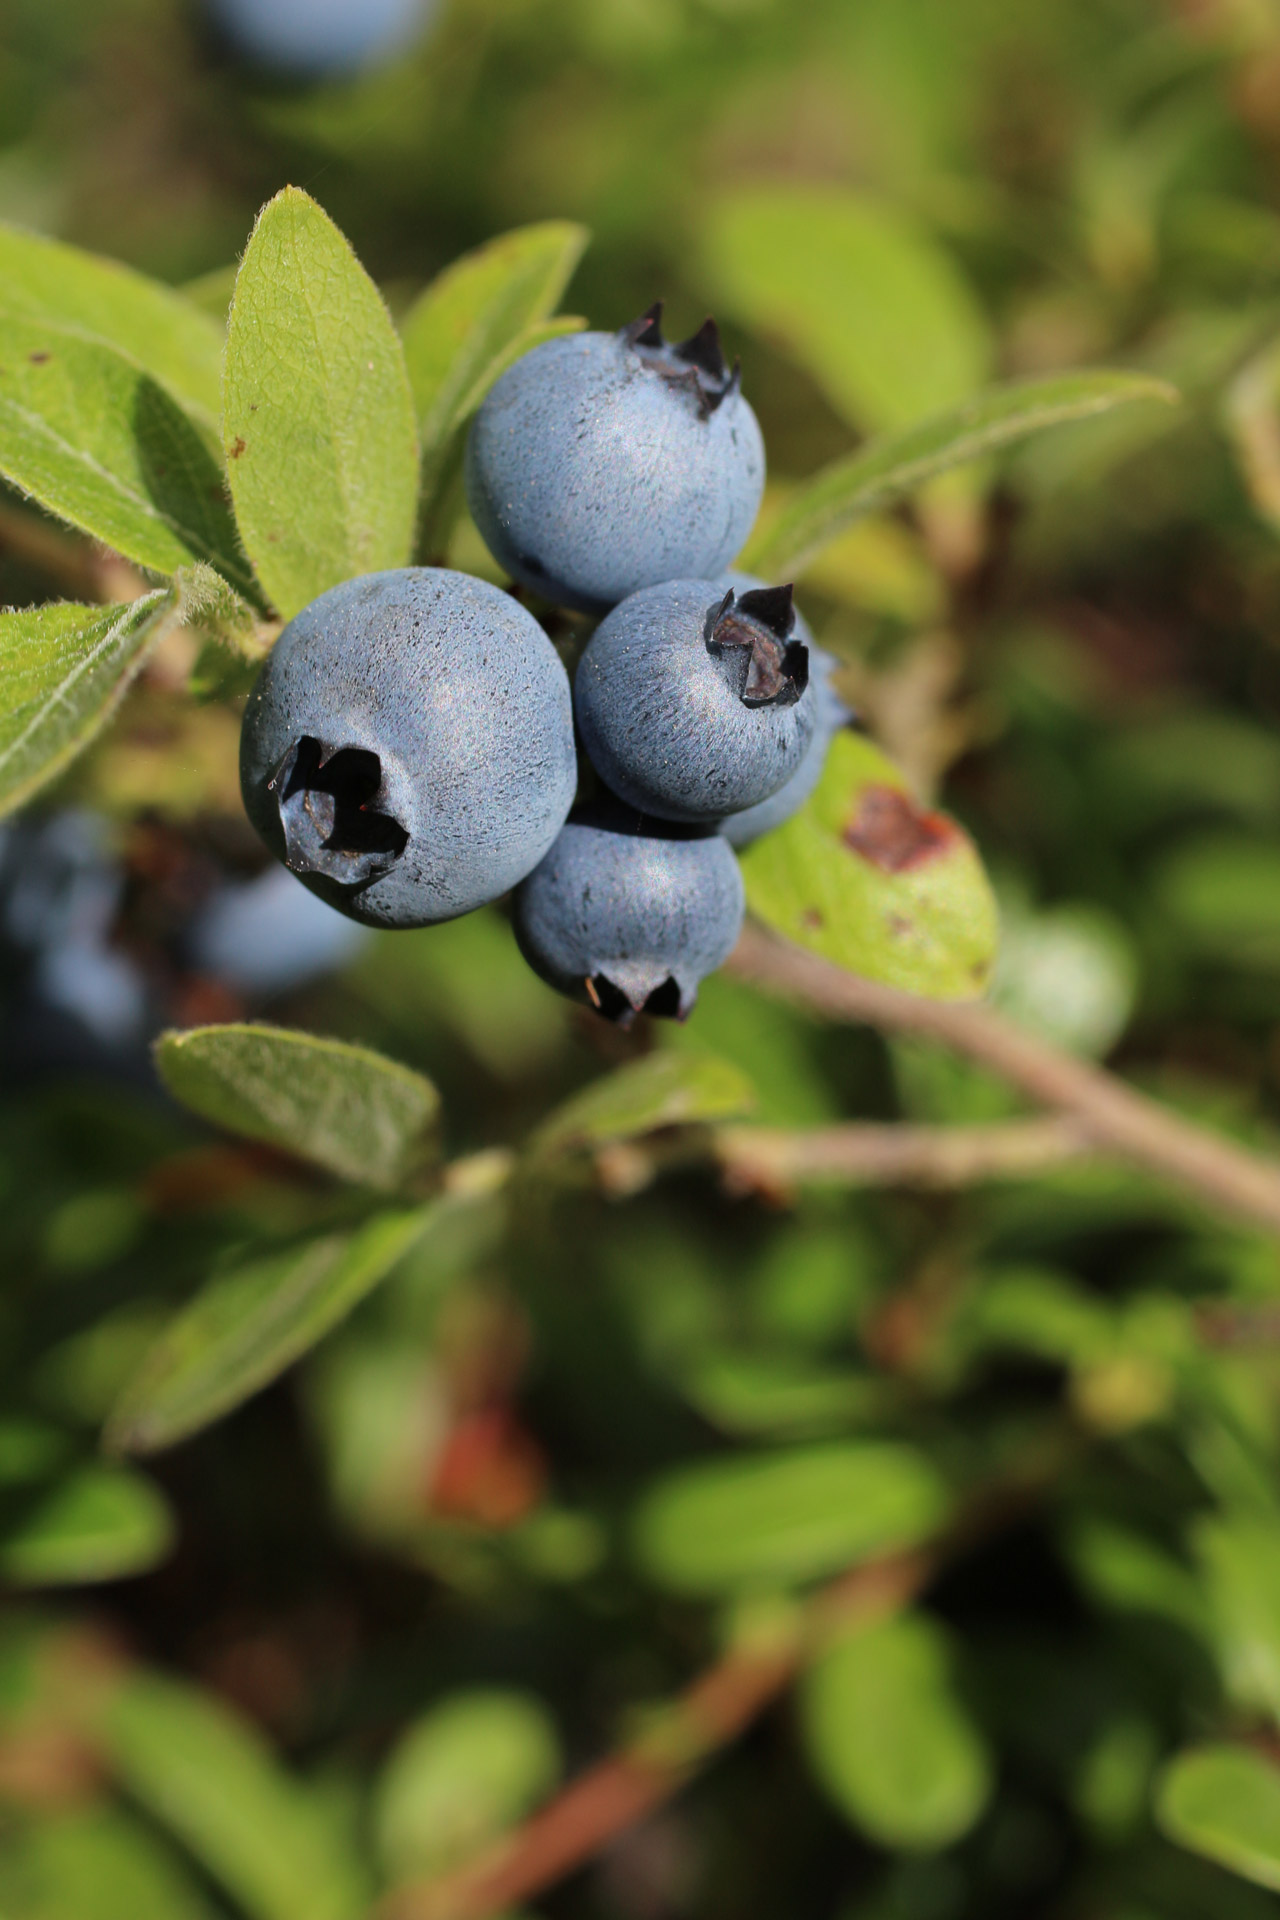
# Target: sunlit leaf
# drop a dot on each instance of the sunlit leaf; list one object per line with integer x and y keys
{"x": 351, "y": 1110}
{"x": 1241, "y": 1559}
{"x": 461, "y": 1774}
{"x": 151, "y": 323}
{"x": 63, "y": 671}
{"x": 318, "y": 418}
{"x": 245, "y": 1327}
{"x": 865, "y": 877}
{"x": 889, "y": 468}
{"x": 1224, "y": 1802}
{"x": 206, "y": 1776}
{"x": 889, "y": 1738}
{"x": 772, "y": 1519}
{"x": 867, "y": 301}
{"x": 665, "y": 1090}
{"x": 98, "y": 1523}
{"x": 101, "y": 444}
{"x": 478, "y": 317}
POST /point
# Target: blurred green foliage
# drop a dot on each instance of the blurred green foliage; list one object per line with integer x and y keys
{"x": 563, "y": 1454}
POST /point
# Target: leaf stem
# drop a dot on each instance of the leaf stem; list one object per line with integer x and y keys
{"x": 1110, "y": 1116}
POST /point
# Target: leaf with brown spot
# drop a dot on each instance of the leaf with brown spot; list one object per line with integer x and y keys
{"x": 869, "y": 879}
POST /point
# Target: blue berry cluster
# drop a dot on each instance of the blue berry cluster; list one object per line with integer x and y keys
{"x": 409, "y": 748}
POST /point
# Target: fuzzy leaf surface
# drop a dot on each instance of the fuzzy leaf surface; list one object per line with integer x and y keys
{"x": 865, "y": 877}
{"x": 63, "y": 671}
{"x": 167, "y": 334}
{"x": 98, "y": 1523}
{"x": 318, "y": 419}
{"x": 351, "y": 1110}
{"x": 246, "y": 1327}
{"x": 100, "y": 444}
{"x": 887, "y": 469}
{"x": 208, "y": 1778}
{"x": 1224, "y": 1802}
{"x": 889, "y": 1739}
{"x": 785, "y": 1517}
{"x": 664, "y": 1090}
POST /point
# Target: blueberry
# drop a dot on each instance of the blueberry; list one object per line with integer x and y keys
{"x": 408, "y": 748}
{"x": 319, "y": 36}
{"x": 830, "y": 714}
{"x": 628, "y": 915}
{"x": 605, "y": 462}
{"x": 691, "y": 698}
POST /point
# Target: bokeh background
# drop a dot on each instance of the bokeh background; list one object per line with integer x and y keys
{"x": 888, "y": 203}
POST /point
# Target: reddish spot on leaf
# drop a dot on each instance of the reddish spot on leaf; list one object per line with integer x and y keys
{"x": 38, "y": 359}
{"x": 236, "y": 448}
{"x": 894, "y": 834}
{"x": 491, "y": 1470}
{"x": 812, "y": 919}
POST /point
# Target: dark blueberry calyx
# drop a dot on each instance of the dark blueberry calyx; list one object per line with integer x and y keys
{"x": 697, "y": 364}
{"x": 749, "y": 637}
{"x": 616, "y": 1004}
{"x": 331, "y": 825}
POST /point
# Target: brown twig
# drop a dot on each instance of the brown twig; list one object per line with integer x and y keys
{"x": 1109, "y": 1115}
{"x": 603, "y": 1802}
{"x": 863, "y": 1154}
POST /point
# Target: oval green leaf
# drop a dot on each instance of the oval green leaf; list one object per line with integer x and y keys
{"x": 1224, "y": 1802}
{"x": 865, "y": 877}
{"x": 246, "y": 1327}
{"x": 350, "y": 1110}
{"x": 98, "y": 442}
{"x": 163, "y": 332}
{"x": 63, "y": 671}
{"x": 462, "y": 1774}
{"x": 318, "y": 420}
{"x": 864, "y": 299}
{"x": 99, "y": 1523}
{"x": 890, "y": 1741}
{"x": 477, "y": 317}
{"x": 776, "y": 1519}
{"x": 206, "y": 1776}
{"x": 665, "y": 1090}
{"x": 887, "y": 469}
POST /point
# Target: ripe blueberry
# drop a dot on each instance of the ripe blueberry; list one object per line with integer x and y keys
{"x": 691, "y": 698}
{"x": 408, "y": 748}
{"x": 319, "y": 36}
{"x": 629, "y": 915}
{"x": 830, "y": 714}
{"x": 601, "y": 463}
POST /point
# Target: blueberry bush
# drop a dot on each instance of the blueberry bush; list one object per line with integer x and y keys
{"x": 638, "y": 1065}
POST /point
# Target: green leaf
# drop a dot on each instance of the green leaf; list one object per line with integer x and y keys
{"x": 665, "y": 1090}
{"x": 886, "y": 470}
{"x": 476, "y": 319}
{"x": 463, "y": 1773}
{"x": 864, "y": 299}
{"x": 207, "y": 1777}
{"x": 774, "y": 1519}
{"x": 318, "y": 423}
{"x": 63, "y": 671}
{"x": 1125, "y": 1570}
{"x": 1224, "y": 1802}
{"x": 96, "y": 1863}
{"x": 889, "y": 1739}
{"x": 866, "y": 878}
{"x": 1241, "y": 1559}
{"x": 351, "y": 1110}
{"x": 98, "y": 442}
{"x": 1222, "y": 893}
{"x": 247, "y": 1326}
{"x": 100, "y": 1523}
{"x": 777, "y": 1394}
{"x": 155, "y": 326}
